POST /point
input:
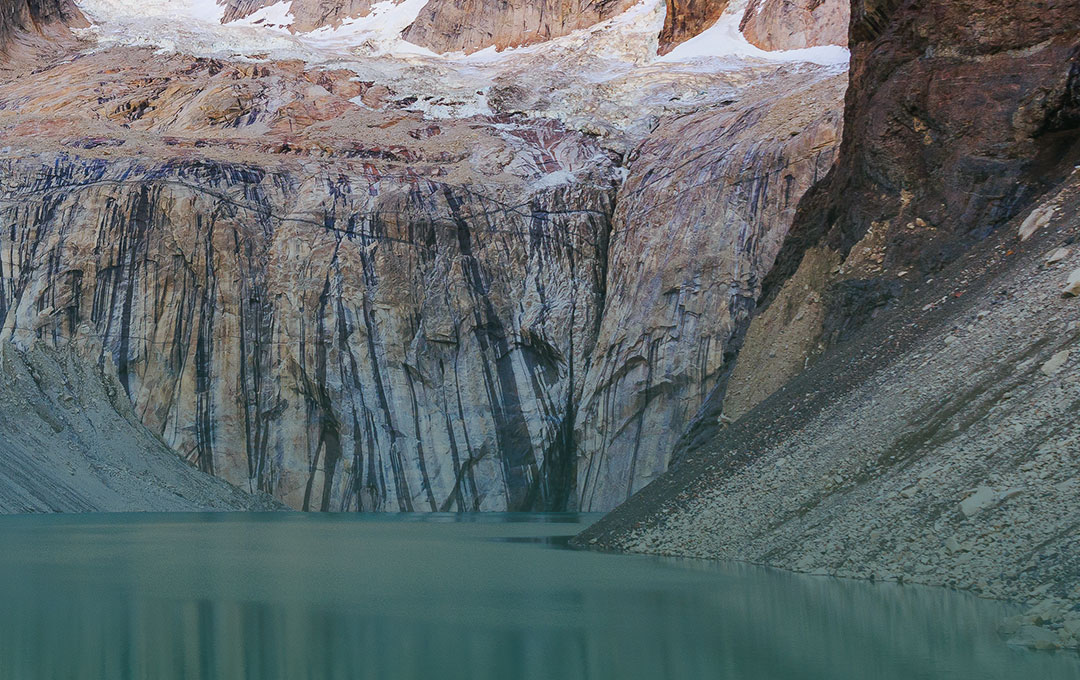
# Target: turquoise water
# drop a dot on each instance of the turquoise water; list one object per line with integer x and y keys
{"x": 495, "y": 597}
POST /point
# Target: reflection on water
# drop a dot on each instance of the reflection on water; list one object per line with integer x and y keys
{"x": 395, "y": 598}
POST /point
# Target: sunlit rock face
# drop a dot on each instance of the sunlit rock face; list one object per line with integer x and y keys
{"x": 953, "y": 126}
{"x": 398, "y": 282}
{"x": 687, "y": 18}
{"x": 306, "y": 15}
{"x": 400, "y": 323}
{"x": 796, "y": 24}
{"x": 28, "y": 20}
{"x": 472, "y": 25}
{"x": 698, "y": 225}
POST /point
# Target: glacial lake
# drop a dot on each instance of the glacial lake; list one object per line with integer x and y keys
{"x": 447, "y": 597}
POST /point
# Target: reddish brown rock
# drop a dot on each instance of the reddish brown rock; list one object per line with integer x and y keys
{"x": 472, "y": 25}
{"x": 24, "y": 22}
{"x": 795, "y": 24}
{"x": 687, "y": 18}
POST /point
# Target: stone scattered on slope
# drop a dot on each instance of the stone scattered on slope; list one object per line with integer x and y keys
{"x": 906, "y": 458}
{"x": 1072, "y": 286}
{"x": 1054, "y": 365}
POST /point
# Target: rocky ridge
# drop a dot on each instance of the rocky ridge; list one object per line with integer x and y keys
{"x": 788, "y": 25}
{"x": 473, "y": 25}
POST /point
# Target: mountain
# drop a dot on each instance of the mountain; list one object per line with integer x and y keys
{"x": 375, "y": 290}
{"x": 904, "y": 405}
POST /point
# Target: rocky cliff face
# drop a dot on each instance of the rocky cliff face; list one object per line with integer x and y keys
{"x": 306, "y": 15}
{"x": 396, "y": 324}
{"x": 954, "y": 127}
{"x": 931, "y": 438}
{"x": 795, "y": 24}
{"x": 687, "y": 18}
{"x": 24, "y": 19}
{"x": 938, "y": 447}
{"x": 311, "y": 290}
{"x": 472, "y": 25}
{"x": 700, "y": 219}
{"x": 70, "y": 442}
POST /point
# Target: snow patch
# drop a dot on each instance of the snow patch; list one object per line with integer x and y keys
{"x": 278, "y": 16}
{"x": 724, "y": 40}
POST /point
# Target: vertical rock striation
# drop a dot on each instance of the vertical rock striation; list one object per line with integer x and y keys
{"x": 360, "y": 341}
{"x": 395, "y": 323}
{"x": 700, "y": 219}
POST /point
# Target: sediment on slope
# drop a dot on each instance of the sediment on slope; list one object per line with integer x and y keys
{"x": 70, "y": 442}
{"x": 940, "y": 447}
{"x": 933, "y": 436}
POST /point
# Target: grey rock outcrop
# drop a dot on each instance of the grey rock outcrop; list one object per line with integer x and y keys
{"x": 396, "y": 325}
{"x": 311, "y": 291}
{"x": 700, "y": 219}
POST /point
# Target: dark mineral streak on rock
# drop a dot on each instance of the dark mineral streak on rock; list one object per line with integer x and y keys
{"x": 311, "y": 349}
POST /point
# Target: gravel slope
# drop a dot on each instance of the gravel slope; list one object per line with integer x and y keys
{"x": 941, "y": 447}
{"x": 69, "y": 442}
